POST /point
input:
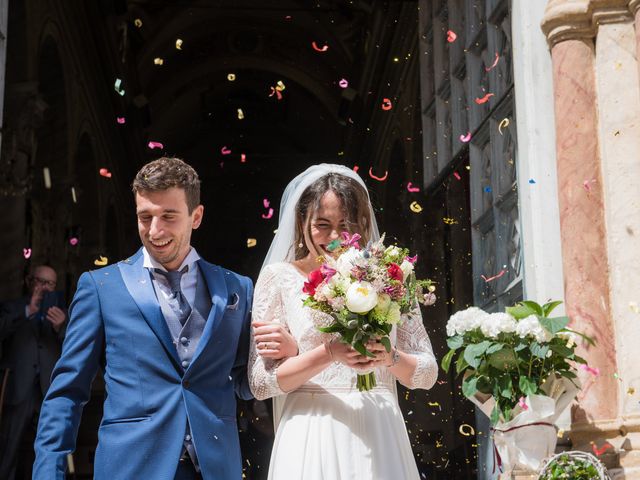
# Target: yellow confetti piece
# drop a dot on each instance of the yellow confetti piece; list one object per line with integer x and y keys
{"x": 560, "y": 433}
{"x": 631, "y": 391}
{"x": 137, "y": 22}
{"x": 450, "y": 221}
{"x": 47, "y": 177}
{"x": 231, "y": 77}
{"x": 179, "y": 44}
{"x": 466, "y": 430}
{"x": 101, "y": 262}
{"x": 633, "y": 306}
{"x": 240, "y": 114}
{"x": 251, "y": 242}
{"x": 280, "y": 86}
{"x": 415, "y": 207}
{"x": 433, "y": 404}
{"x": 73, "y": 195}
{"x": 503, "y": 124}
{"x": 158, "y": 61}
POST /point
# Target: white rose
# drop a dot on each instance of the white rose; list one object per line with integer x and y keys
{"x": 346, "y": 261}
{"x": 407, "y": 268}
{"x": 361, "y": 297}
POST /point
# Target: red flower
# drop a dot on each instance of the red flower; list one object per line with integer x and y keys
{"x": 315, "y": 278}
{"x": 395, "y": 271}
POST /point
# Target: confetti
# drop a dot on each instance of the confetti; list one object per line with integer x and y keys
{"x": 47, "y": 177}
{"x": 380, "y": 179}
{"x": 466, "y": 430}
{"x": 616, "y": 376}
{"x": 231, "y": 77}
{"x": 266, "y": 202}
{"x": 101, "y": 262}
{"x": 105, "y": 173}
{"x": 137, "y": 22}
{"x": 343, "y": 83}
{"x": 599, "y": 451}
{"x": 595, "y": 371}
{"x": 158, "y": 61}
{"x": 433, "y": 404}
{"x": 153, "y": 145}
{"x": 73, "y": 195}
{"x": 523, "y": 404}
{"x": 457, "y": 175}
{"x": 276, "y": 93}
{"x": 280, "y": 86}
{"x": 73, "y": 241}
{"x": 243, "y": 158}
{"x": 493, "y": 65}
{"x": 251, "y": 242}
{"x": 484, "y": 99}
{"x": 225, "y": 151}
{"x": 415, "y": 207}
{"x": 465, "y": 138}
{"x": 411, "y": 188}
{"x": 587, "y": 184}
{"x": 121, "y": 120}
{"x": 450, "y": 221}
{"x": 495, "y": 277}
{"x": 356, "y": 168}
{"x": 179, "y": 43}
{"x": 451, "y": 36}
{"x": 631, "y": 391}
{"x": 487, "y": 189}
{"x": 324, "y": 48}
{"x": 268, "y": 215}
{"x": 560, "y": 433}
{"x": 532, "y": 181}
{"x": 117, "y": 87}
{"x": 240, "y": 114}
{"x": 26, "y": 252}
{"x": 503, "y": 124}
{"x": 633, "y": 306}
{"x": 386, "y": 104}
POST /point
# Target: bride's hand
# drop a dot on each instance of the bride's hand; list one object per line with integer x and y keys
{"x": 383, "y": 358}
{"x": 273, "y": 340}
{"x": 347, "y": 355}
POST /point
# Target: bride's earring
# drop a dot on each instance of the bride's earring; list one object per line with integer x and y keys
{"x": 300, "y": 245}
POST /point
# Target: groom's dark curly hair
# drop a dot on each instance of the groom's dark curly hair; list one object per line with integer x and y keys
{"x": 168, "y": 172}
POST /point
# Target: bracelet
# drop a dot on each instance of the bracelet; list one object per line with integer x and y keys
{"x": 327, "y": 346}
{"x": 395, "y": 357}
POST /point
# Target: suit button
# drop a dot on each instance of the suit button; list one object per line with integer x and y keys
{"x": 184, "y": 340}
{"x": 187, "y": 438}
{"x": 186, "y": 384}
{"x": 185, "y": 364}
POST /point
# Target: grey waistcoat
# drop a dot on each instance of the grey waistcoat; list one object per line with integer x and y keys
{"x": 187, "y": 337}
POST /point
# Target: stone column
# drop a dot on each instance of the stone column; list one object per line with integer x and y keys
{"x": 597, "y": 105}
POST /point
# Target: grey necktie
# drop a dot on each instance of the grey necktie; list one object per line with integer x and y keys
{"x": 180, "y": 305}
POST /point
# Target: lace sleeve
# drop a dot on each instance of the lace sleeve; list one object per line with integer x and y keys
{"x": 412, "y": 338}
{"x": 267, "y": 307}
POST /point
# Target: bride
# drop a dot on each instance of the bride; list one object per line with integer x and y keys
{"x": 325, "y": 428}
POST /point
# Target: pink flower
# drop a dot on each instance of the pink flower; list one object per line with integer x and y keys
{"x": 395, "y": 271}
{"x": 315, "y": 278}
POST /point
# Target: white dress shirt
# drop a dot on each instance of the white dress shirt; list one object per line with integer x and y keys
{"x": 187, "y": 282}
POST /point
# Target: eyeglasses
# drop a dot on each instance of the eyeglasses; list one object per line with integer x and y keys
{"x": 43, "y": 281}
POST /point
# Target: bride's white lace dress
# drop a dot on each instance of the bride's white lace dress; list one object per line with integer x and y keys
{"x": 328, "y": 429}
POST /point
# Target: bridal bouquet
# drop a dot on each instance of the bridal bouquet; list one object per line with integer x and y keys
{"x": 366, "y": 291}
{"x": 520, "y": 369}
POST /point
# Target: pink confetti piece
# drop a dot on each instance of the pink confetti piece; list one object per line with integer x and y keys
{"x": 484, "y": 99}
{"x": 153, "y": 145}
{"x": 266, "y": 202}
{"x": 105, "y": 173}
{"x": 268, "y": 215}
{"x": 225, "y": 151}
{"x": 275, "y": 92}
{"x": 243, "y": 158}
{"x": 457, "y": 175}
{"x": 73, "y": 241}
{"x": 495, "y": 277}
{"x": 343, "y": 83}
{"x": 26, "y": 252}
{"x": 465, "y": 138}
{"x": 493, "y": 65}
{"x": 599, "y": 451}
{"x": 386, "y": 104}
{"x": 356, "y": 168}
{"x": 523, "y": 404}
{"x": 451, "y": 36}
{"x": 121, "y": 120}
{"x": 411, "y": 188}
{"x": 595, "y": 371}
{"x": 315, "y": 46}
{"x": 380, "y": 179}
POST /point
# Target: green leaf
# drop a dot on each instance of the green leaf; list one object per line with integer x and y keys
{"x": 336, "y": 327}
{"x": 520, "y": 311}
{"x": 461, "y": 364}
{"x": 553, "y": 325}
{"x": 527, "y": 386}
{"x": 362, "y": 350}
{"x": 495, "y": 414}
{"x": 494, "y": 347}
{"x": 562, "y": 350}
{"x": 473, "y": 353}
{"x": 446, "y": 360}
{"x": 387, "y": 343}
{"x": 547, "y": 308}
{"x": 567, "y": 374}
{"x": 505, "y": 386}
{"x": 503, "y": 360}
{"x": 469, "y": 386}
{"x": 455, "y": 342}
{"x": 534, "y": 306}
{"x": 538, "y": 350}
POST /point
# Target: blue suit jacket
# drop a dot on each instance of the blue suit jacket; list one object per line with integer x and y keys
{"x": 116, "y": 322}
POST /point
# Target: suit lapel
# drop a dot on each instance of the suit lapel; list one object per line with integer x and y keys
{"x": 218, "y": 291}
{"x": 138, "y": 282}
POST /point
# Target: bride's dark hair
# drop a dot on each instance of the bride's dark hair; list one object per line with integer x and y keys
{"x": 353, "y": 199}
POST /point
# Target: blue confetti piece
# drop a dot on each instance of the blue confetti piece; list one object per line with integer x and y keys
{"x": 487, "y": 189}
{"x": 531, "y": 180}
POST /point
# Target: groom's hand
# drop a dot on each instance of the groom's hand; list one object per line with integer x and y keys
{"x": 273, "y": 340}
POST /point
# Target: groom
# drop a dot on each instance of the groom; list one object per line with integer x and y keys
{"x": 171, "y": 332}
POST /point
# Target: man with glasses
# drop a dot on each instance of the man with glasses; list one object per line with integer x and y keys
{"x": 31, "y": 332}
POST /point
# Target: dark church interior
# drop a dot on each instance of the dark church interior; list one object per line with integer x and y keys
{"x": 250, "y": 94}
